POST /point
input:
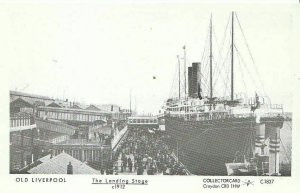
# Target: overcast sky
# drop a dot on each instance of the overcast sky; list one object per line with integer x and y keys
{"x": 97, "y": 53}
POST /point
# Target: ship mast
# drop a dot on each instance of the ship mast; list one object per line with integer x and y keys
{"x": 130, "y": 103}
{"x": 232, "y": 54}
{"x": 178, "y": 76}
{"x": 184, "y": 52}
{"x": 210, "y": 59}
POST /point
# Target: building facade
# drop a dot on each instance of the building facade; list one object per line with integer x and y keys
{"x": 96, "y": 154}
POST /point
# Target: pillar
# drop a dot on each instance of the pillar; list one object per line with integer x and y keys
{"x": 259, "y": 138}
{"x": 38, "y": 133}
{"x": 82, "y": 155}
{"x": 23, "y": 164}
{"x": 32, "y": 145}
{"x": 22, "y": 138}
{"x": 274, "y": 151}
{"x": 92, "y": 155}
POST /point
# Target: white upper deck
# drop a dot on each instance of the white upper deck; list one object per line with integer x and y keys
{"x": 194, "y": 108}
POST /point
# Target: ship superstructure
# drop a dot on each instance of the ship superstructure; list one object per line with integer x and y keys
{"x": 212, "y": 131}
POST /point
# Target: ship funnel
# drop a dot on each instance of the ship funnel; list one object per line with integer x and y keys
{"x": 193, "y": 79}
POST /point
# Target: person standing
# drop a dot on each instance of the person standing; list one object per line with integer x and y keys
{"x": 130, "y": 164}
{"x": 125, "y": 163}
{"x": 135, "y": 164}
{"x": 140, "y": 170}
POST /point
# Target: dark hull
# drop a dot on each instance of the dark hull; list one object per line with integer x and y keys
{"x": 205, "y": 146}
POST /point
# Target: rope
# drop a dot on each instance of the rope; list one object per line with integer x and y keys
{"x": 239, "y": 59}
{"x": 250, "y": 53}
{"x": 253, "y": 80}
{"x": 225, "y": 82}
{"x": 289, "y": 125}
{"x": 172, "y": 91}
{"x": 286, "y": 155}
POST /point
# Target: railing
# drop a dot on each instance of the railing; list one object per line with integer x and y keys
{"x": 118, "y": 138}
{"x": 25, "y": 141}
{"x": 198, "y": 107}
{"x": 275, "y": 106}
{"x": 216, "y": 116}
{"x": 137, "y": 121}
{"x": 271, "y": 114}
{"x": 56, "y": 126}
{"x": 143, "y": 123}
{"x": 18, "y": 120}
{"x": 21, "y": 121}
{"x": 211, "y": 116}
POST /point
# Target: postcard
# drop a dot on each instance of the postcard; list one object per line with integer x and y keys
{"x": 149, "y": 96}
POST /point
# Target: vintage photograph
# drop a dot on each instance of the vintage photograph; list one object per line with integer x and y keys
{"x": 150, "y": 90}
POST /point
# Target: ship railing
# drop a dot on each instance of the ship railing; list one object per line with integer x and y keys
{"x": 203, "y": 116}
{"x": 240, "y": 115}
{"x": 272, "y": 114}
{"x": 275, "y": 106}
{"x": 206, "y": 116}
{"x": 245, "y": 115}
{"x": 195, "y": 106}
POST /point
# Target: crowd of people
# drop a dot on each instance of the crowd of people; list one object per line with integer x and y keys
{"x": 145, "y": 153}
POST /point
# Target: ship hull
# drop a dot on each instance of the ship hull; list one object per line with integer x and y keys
{"x": 205, "y": 146}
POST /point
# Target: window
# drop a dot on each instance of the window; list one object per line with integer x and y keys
{"x": 90, "y": 155}
{"x": 95, "y": 156}
{"x": 85, "y": 155}
{"x": 74, "y": 116}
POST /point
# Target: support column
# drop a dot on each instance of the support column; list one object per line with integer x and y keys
{"x": 259, "y": 138}
{"x": 22, "y": 150}
{"x": 82, "y": 155}
{"x": 22, "y": 138}
{"x": 32, "y": 145}
{"x": 274, "y": 149}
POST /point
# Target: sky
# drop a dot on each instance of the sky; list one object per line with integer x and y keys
{"x": 97, "y": 53}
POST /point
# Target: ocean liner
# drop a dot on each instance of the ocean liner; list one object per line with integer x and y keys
{"x": 222, "y": 135}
